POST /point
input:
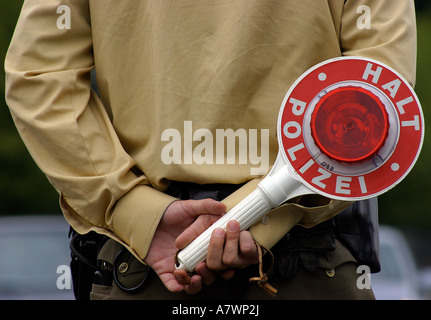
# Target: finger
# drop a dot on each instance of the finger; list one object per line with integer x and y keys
{"x": 207, "y": 212}
{"x": 171, "y": 283}
{"x": 181, "y": 276}
{"x": 183, "y": 281}
{"x": 204, "y": 206}
{"x": 194, "y": 286}
{"x": 248, "y": 247}
{"x": 215, "y": 250}
{"x": 194, "y": 230}
{"x": 208, "y": 276}
{"x": 230, "y": 253}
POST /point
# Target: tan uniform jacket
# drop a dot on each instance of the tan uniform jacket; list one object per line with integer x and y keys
{"x": 172, "y": 66}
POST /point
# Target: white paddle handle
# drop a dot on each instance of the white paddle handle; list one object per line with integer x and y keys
{"x": 272, "y": 191}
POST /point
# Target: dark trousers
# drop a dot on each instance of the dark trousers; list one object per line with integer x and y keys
{"x": 327, "y": 284}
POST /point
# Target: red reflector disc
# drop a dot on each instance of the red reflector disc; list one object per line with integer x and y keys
{"x": 349, "y": 124}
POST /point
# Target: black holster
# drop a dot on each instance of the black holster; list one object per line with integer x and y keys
{"x": 83, "y": 263}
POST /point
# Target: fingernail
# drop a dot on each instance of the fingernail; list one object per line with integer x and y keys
{"x": 219, "y": 232}
{"x": 232, "y": 226}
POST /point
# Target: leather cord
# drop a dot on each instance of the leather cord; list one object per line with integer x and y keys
{"x": 262, "y": 279}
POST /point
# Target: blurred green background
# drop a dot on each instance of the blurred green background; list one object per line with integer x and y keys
{"x": 25, "y": 190}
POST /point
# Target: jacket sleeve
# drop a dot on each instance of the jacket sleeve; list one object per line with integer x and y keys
{"x": 67, "y": 129}
{"x": 384, "y": 30}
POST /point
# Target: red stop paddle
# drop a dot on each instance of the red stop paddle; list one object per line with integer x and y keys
{"x": 349, "y": 128}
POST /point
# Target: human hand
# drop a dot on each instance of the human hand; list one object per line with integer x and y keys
{"x": 190, "y": 217}
{"x": 231, "y": 249}
{"x": 228, "y": 250}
